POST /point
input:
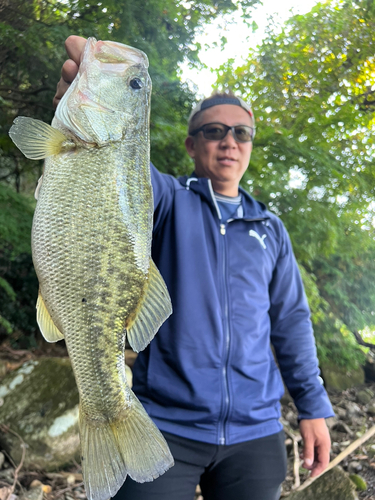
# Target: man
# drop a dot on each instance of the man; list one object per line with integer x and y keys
{"x": 209, "y": 379}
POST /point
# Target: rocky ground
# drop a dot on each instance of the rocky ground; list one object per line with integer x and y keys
{"x": 355, "y": 415}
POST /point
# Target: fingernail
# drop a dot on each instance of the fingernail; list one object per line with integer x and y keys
{"x": 308, "y": 462}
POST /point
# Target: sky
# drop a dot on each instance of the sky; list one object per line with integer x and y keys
{"x": 240, "y": 38}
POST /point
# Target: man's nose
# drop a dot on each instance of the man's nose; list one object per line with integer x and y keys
{"x": 228, "y": 140}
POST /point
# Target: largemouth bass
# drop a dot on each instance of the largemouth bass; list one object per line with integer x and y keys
{"x": 91, "y": 245}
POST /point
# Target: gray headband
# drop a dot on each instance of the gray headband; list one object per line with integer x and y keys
{"x": 209, "y": 102}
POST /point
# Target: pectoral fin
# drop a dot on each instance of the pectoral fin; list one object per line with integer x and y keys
{"x": 48, "y": 328}
{"x": 36, "y": 139}
{"x": 153, "y": 310}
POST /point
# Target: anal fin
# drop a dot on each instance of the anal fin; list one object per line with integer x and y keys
{"x": 48, "y": 328}
{"x": 153, "y": 310}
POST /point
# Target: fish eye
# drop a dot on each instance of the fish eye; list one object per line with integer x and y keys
{"x": 136, "y": 83}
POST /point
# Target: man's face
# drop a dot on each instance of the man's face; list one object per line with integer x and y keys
{"x": 224, "y": 161}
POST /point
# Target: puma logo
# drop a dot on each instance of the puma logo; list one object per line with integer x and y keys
{"x": 259, "y": 238}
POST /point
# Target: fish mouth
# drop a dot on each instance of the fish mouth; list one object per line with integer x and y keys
{"x": 115, "y": 53}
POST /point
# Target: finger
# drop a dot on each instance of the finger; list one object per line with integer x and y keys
{"x": 62, "y": 87}
{"x": 68, "y": 73}
{"x": 318, "y": 468}
{"x": 321, "y": 460}
{"x": 74, "y": 46}
{"x": 308, "y": 452}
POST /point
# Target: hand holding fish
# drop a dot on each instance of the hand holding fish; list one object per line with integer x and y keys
{"x": 74, "y": 46}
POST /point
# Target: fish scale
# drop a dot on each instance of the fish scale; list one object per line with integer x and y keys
{"x": 108, "y": 243}
{"x": 91, "y": 243}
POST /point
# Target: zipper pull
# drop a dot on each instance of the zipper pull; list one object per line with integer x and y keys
{"x": 222, "y": 229}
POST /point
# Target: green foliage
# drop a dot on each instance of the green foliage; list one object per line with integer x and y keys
{"x": 18, "y": 282}
{"x": 312, "y": 88}
{"x": 16, "y": 214}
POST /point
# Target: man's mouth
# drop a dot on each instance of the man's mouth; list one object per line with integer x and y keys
{"x": 226, "y": 159}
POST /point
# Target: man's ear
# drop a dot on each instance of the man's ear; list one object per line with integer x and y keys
{"x": 190, "y": 146}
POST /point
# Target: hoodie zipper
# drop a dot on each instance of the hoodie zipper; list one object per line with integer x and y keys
{"x": 226, "y": 318}
{"x": 226, "y": 337}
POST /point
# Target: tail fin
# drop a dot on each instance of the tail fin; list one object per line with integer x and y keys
{"x": 110, "y": 451}
{"x": 103, "y": 467}
{"x": 142, "y": 445}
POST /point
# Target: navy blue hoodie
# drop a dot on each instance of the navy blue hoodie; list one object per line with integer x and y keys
{"x": 210, "y": 374}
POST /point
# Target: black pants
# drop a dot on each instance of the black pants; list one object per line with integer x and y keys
{"x": 253, "y": 470}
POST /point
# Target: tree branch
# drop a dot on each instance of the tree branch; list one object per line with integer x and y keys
{"x": 30, "y": 103}
{"x": 360, "y": 341}
{"x": 28, "y": 92}
{"x": 32, "y": 19}
{"x": 365, "y": 94}
{"x": 296, "y": 439}
{"x": 6, "y": 429}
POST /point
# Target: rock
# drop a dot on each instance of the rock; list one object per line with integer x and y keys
{"x": 353, "y": 409}
{"x": 7, "y": 475}
{"x": 359, "y": 482}
{"x": 354, "y": 466}
{"x": 340, "y": 426}
{"x": 333, "y": 485}
{"x": 291, "y": 417}
{"x": 35, "y": 484}
{"x": 129, "y": 376}
{"x": 341, "y": 412}
{"x": 33, "y": 494}
{"x": 371, "y": 410}
{"x": 371, "y": 451}
{"x": 2, "y": 459}
{"x": 70, "y": 480}
{"x": 41, "y": 406}
{"x": 3, "y": 368}
{"x": 365, "y": 396}
{"x": 337, "y": 378}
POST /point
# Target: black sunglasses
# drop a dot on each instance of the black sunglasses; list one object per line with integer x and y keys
{"x": 217, "y": 132}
